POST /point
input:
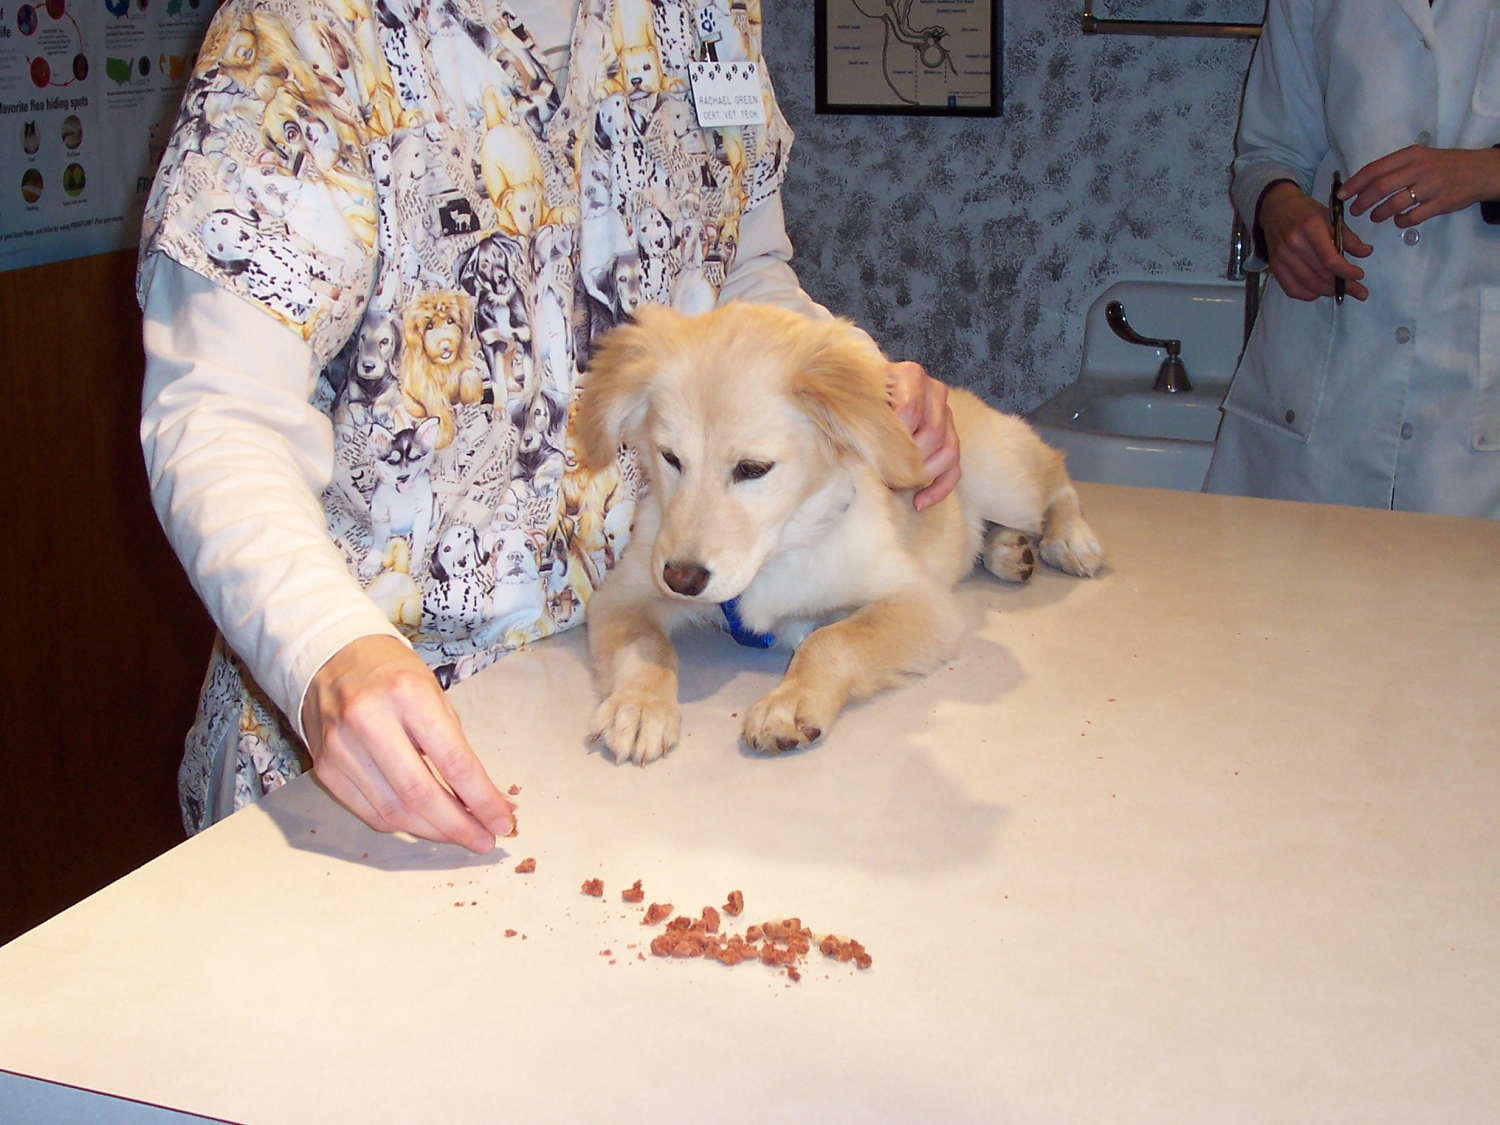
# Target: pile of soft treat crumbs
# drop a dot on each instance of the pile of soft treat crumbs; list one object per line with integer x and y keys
{"x": 782, "y": 943}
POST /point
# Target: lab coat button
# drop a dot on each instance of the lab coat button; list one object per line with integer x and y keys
{"x": 1424, "y": 137}
{"x": 1403, "y": 334}
{"x": 1291, "y": 416}
{"x": 1412, "y": 237}
{"x": 1406, "y": 431}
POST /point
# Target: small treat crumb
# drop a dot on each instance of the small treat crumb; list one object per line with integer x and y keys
{"x": 594, "y": 887}
{"x": 513, "y": 790}
{"x": 606, "y": 953}
{"x": 710, "y": 919}
{"x": 656, "y": 912}
{"x": 458, "y": 904}
{"x": 510, "y": 933}
{"x": 640, "y": 956}
{"x": 634, "y": 893}
{"x": 526, "y": 866}
{"x": 846, "y": 949}
{"x": 735, "y": 904}
{"x": 753, "y": 934}
{"x": 791, "y": 971}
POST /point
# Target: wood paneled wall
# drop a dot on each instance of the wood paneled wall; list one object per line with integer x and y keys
{"x": 102, "y": 642}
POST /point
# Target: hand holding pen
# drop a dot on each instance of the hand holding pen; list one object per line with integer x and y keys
{"x": 1300, "y": 247}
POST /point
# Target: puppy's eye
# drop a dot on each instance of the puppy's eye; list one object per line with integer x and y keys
{"x": 671, "y": 459}
{"x": 752, "y": 470}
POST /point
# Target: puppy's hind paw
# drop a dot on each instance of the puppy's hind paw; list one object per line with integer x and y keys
{"x": 637, "y": 726}
{"x": 783, "y": 721}
{"x": 1009, "y": 554}
{"x": 1077, "y": 552}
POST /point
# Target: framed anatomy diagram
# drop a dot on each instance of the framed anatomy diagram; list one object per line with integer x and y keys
{"x": 937, "y": 57}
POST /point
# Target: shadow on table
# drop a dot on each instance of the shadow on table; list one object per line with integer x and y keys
{"x": 312, "y": 821}
{"x": 873, "y": 793}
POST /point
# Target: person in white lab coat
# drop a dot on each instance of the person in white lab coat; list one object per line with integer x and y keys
{"x": 1392, "y": 398}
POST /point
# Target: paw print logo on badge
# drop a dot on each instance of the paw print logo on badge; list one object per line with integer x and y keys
{"x": 708, "y": 25}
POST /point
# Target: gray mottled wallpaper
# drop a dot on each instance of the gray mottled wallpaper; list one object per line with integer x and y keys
{"x": 976, "y": 246}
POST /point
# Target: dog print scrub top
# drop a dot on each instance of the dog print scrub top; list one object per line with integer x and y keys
{"x": 405, "y": 188}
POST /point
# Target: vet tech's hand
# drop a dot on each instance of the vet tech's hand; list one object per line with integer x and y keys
{"x": 1439, "y": 179}
{"x": 1299, "y": 243}
{"x": 378, "y": 726}
{"x": 921, "y": 403}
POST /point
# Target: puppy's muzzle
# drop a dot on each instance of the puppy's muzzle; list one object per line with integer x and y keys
{"x": 685, "y": 578}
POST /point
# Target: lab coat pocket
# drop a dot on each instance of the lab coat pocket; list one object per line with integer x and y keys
{"x": 1281, "y": 375}
{"x": 1486, "y": 99}
{"x": 1487, "y": 378}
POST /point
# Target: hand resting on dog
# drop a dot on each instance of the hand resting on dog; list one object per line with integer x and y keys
{"x": 921, "y": 403}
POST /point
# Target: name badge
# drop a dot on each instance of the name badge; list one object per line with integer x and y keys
{"x": 727, "y": 93}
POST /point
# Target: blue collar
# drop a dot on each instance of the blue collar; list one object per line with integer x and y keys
{"x": 736, "y": 627}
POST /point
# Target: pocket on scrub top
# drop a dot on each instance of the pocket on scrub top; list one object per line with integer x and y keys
{"x": 1487, "y": 377}
{"x": 1280, "y": 377}
{"x": 1486, "y": 99}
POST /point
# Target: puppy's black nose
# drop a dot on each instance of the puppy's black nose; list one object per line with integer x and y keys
{"x": 685, "y": 578}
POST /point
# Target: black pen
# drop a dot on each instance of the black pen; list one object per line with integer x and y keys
{"x": 1336, "y": 212}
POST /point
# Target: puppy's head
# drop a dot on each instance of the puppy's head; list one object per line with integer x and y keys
{"x": 753, "y": 424}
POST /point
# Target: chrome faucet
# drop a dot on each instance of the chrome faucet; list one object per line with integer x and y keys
{"x": 1239, "y": 250}
{"x": 1171, "y": 376}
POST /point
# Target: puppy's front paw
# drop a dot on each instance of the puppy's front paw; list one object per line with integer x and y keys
{"x": 786, "y": 719}
{"x": 637, "y": 726}
{"x": 1077, "y": 550}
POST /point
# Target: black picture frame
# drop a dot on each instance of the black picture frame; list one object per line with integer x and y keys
{"x": 827, "y": 9}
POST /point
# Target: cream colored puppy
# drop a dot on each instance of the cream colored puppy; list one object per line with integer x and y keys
{"x": 781, "y": 482}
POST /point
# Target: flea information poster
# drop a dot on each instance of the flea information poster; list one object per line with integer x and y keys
{"x": 89, "y": 90}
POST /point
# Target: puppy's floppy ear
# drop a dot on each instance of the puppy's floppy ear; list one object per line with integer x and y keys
{"x": 842, "y": 387}
{"x": 618, "y": 391}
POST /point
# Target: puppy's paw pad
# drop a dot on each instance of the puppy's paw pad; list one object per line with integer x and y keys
{"x": 1009, "y": 554}
{"x": 637, "y": 726}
